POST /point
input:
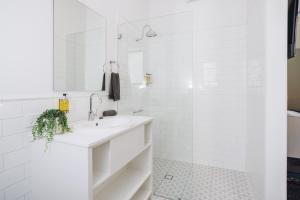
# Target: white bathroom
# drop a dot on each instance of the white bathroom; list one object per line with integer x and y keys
{"x": 145, "y": 99}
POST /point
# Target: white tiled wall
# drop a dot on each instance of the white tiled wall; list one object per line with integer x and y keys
{"x": 220, "y": 97}
{"x": 200, "y": 86}
{"x": 16, "y": 120}
{"x": 169, "y": 99}
{"x": 219, "y": 78}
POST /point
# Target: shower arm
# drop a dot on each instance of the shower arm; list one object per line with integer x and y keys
{"x": 143, "y": 33}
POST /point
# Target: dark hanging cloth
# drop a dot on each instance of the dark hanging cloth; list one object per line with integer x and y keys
{"x": 108, "y": 113}
{"x": 103, "y": 82}
{"x": 292, "y": 27}
{"x": 114, "y": 88}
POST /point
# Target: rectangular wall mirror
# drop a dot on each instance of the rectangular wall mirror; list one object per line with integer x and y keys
{"x": 79, "y": 47}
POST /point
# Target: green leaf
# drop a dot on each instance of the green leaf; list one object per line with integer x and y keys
{"x": 49, "y": 123}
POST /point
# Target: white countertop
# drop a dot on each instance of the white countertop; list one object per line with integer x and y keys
{"x": 95, "y": 136}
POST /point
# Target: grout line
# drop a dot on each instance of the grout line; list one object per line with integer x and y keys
{"x": 163, "y": 197}
{"x": 190, "y": 174}
{"x": 19, "y": 181}
{"x": 216, "y": 175}
{"x": 1, "y": 128}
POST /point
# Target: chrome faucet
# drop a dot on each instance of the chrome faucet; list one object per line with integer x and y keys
{"x": 93, "y": 114}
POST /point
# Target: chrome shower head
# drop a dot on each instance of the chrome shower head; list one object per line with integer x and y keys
{"x": 150, "y": 33}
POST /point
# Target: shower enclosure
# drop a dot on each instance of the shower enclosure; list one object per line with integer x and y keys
{"x": 156, "y": 56}
{"x": 191, "y": 80}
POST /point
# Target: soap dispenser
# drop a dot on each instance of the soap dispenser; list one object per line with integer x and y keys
{"x": 64, "y": 103}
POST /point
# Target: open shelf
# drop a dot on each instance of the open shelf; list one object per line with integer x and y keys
{"x": 145, "y": 191}
{"x": 142, "y": 195}
{"x": 132, "y": 181}
{"x": 100, "y": 180}
{"x": 101, "y": 168}
{"x": 148, "y": 138}
{"x": 142, "y": 161}
{"x": 124, "y": 186}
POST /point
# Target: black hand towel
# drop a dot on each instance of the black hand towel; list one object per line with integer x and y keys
{"x": 103, "y": 82}
{"x": 114, "y": 89}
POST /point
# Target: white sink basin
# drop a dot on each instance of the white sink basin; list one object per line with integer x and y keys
{"x": 106, "y": 123}
{"x": 87, "y": 133}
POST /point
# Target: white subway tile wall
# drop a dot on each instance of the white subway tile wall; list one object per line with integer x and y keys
{"x": 10, "y": 110}
{"x": 18, "y": 190}
{"x": 16, "y": 120}
{"x": 219, "y": 78}
{"x": 9, "y": 126}
{"x": 11, "y": 176}
{"x": 169, "y": 99}
{"x": 220, "y": 97}
{"x": 16, "y": 158}
{"x": 11, "y": 143}
{"x": 198, "y": 95}
{"x": 1, "y": 195}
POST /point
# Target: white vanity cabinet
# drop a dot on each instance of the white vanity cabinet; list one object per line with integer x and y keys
{"x": 112, "y": 164}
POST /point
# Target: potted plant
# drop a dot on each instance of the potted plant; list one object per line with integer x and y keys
{"x": 49, "y": 123}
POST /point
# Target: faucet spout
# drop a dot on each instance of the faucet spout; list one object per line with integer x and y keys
{"x": 93, "y": 114}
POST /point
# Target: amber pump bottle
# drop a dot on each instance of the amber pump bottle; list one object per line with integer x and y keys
{"x": 64, "y": 103}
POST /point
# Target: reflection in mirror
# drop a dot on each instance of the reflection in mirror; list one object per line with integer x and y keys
{"x": 79, "y": 47}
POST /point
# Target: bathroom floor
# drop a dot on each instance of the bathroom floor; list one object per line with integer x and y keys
{"x": 174, "y": 180}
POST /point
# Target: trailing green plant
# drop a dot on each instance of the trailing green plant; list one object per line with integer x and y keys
{"x": 49, "y": 123}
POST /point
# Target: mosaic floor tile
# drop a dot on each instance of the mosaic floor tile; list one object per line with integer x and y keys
{"x": 158, "y": 198}
{"x": 197, "y": 182}
{"x": 174, "y": 188}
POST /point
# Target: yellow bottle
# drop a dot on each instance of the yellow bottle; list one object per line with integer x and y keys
{"x": 64, "y": 103}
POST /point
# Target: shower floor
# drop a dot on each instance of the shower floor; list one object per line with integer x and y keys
{"x": 175, "y": 180}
